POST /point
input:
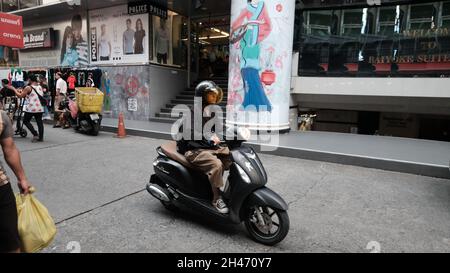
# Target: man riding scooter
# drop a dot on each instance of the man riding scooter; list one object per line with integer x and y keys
{"x": 206, "y": 154}
{"x": 185, "y": 172}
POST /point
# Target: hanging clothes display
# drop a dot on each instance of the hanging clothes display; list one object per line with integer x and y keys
{"x": 17, "y": 78}
{"x": 41, "y": 73}
{"x": 71, "y": 81}
{"x": 81, "y": 76}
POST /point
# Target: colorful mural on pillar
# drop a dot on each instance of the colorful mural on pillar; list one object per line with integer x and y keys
{"x": 127, "y": 90}
{"x": 260, "y": 63}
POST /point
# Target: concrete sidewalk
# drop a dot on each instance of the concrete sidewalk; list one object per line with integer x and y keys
{"x": 414, "y": 156}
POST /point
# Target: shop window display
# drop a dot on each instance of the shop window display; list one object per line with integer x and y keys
{"x": 9, "y": 57}
{"x": 446, "y": 15}
{"x": 13, "y": 5}
{"x": 24, "y": 4}
{"x": 422, "y": 16}
{"x": 387, "y": 21}
{"x": 10, "y": 5}
{"x": 80, "y": 77}
{"x": 170, "y": 40}
{"x": 394, "y": 41}
{"x": 117, "y": 37}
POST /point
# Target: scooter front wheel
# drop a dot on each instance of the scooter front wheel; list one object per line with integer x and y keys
{"x": 169, "y": 206}
{"x": 267, "y": 225}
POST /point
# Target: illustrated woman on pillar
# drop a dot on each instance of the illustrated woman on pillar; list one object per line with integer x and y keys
{"x": 251, "y": 27}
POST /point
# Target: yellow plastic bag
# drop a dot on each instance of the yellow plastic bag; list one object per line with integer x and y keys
{"x": 36, "y": 227}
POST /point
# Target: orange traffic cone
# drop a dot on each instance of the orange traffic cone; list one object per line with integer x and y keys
{"x": 121, "y": 132}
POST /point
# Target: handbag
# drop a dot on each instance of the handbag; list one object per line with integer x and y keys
{"x": 41, "y": 98}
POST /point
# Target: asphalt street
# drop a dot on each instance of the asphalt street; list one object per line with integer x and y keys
{"x": 94, "y": 189}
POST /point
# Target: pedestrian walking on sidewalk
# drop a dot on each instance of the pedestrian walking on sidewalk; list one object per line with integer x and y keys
{"x": 34, "y": 108}
{"x": 9, "y": 234}
{"x": 61, "y": 93}
{"x": 47, "y": 96}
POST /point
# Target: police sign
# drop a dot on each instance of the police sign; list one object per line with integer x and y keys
{"x": 157, "y": 8}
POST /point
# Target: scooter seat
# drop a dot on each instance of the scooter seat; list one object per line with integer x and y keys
{"x": 170, "y": 149}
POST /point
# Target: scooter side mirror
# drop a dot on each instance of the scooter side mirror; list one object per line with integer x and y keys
{"x": 244, "y": 133}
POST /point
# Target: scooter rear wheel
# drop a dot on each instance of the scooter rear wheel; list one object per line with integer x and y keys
{"x": 95, "y": 129}
{"x": 273, "y": 228}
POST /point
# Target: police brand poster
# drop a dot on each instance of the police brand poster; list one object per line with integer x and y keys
{"x": 117, "y": 37}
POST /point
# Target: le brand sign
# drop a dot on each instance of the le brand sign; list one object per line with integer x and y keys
{"x": 40, "y": 38}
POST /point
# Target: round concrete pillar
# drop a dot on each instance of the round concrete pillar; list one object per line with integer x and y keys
{"x": 260, "y": 63}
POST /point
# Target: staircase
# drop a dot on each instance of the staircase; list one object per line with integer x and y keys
{"x": 186, "y": 97}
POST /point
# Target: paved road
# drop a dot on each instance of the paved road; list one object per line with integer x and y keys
{"x": 94, "y": 188}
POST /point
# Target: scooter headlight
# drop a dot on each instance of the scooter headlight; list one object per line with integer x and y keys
{"x": 243, "y": 174}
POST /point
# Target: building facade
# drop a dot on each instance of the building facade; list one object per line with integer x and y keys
{"x": 375, "y": 69}
{"x": 367, "y": 67}
{"x": 138, "y": 58}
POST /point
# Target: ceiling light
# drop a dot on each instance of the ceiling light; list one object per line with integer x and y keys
{"x": 214, "y": 37}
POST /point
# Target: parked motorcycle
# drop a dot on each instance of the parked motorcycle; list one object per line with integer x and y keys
{"x": 176, "y": 183}
{"x": 84, "y": 110}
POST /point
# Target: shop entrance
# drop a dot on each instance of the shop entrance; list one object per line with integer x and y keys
{"x": 213, "y": 45}
{"x": 211, "y": 21}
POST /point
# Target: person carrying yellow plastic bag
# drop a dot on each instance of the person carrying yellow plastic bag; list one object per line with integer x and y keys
{"x": 36, "y": 227}
{"x": 9, "y": 234}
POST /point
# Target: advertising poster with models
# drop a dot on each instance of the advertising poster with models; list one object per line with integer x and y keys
{"x": 117, "y": 37}
{"x": 67, "y": 46}
{"x": 260, "y": 63}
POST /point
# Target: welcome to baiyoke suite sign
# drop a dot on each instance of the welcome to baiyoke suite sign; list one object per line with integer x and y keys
{"x": 260, "y": 64}
{"x": 428, "y": 48}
